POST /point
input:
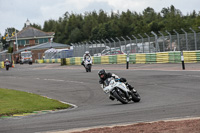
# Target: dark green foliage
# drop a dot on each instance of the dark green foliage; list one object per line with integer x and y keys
{"x": 72, "y": 28}
{"x": 10, "y": 49}
{"x": 37, "y": 26}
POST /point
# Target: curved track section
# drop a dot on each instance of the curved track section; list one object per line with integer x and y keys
{"x": 164, "y": 94}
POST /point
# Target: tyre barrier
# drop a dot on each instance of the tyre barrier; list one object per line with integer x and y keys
{"x": 143, "y": 58}
{"x": 1, "y": 64}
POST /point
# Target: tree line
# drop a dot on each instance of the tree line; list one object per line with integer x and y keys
{"x": 73, "y": 28}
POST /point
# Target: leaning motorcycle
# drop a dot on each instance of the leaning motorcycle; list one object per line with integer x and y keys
{"x": 118, "y": 90}
{"x": 7, "y": 64}
{"x": 88, "y": 64}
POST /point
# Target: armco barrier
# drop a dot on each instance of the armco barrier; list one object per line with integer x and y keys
{"x": 162, "y": 57}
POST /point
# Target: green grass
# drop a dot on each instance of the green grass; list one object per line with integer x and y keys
{"x": 18, "y": 102}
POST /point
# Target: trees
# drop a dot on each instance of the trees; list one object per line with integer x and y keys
{"x": 71, "y": 27}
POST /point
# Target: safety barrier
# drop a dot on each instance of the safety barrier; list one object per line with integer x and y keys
{"x": 140, "y": 58}
{"x": 1, "y": 64}
{"x": 190, "y": 57}
{"x": 121, "y": 59}
{"x": 162, "y": 57}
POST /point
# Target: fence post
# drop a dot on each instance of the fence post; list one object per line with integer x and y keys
{"x": 104, "y": 44}
{"x": 81, "y": 48}
{"x": 186, "y": 39}
{"x": 109, "y": 44}
{"x": 125, "y": 43}
{"x": 114, "y": 42}
{"x": 148, "y": 41}
{"x": 92, "y": 48}
{"x": 170, "y": 37}
{"x": 136, "y": 43}
{"x": 130, "y": 43}
{"x": 156, "y": 40}
{"x": 142, "y": 42}
{"x": 119, "y": 44}
{"x": 77, "y": 49}
{"x": 96, "y": 46}
{"x": 74, "y": 49}
{"x": 195, "y": 39}
{"x": 163, "y": 40}
{"x": 100, "y": 44}
{"x": 177, "y": 39}
{"x": 84, "y": 46}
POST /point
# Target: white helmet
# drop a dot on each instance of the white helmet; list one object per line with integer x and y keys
{"x": 6, "y": 59}
{"x": 86, "y": 52}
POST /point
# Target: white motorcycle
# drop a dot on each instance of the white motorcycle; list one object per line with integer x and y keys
{"x": 88, "y": 64}
{"x": 118, "y": 90}
{"x": 7, "y": 64}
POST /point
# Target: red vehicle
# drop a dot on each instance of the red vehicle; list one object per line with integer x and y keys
{"x": 113, "y": 51}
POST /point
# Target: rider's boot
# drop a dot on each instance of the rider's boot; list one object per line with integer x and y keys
{"x": 82, "y": 63}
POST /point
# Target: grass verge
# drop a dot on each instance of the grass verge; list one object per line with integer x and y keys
{"x": 18, "y": 102}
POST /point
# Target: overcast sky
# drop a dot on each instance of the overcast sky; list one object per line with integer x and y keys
{"x": 14, "y": 13}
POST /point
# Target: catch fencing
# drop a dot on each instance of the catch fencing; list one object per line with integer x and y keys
{"x": 125, "y": 45}
{"x": 4, "y": 56}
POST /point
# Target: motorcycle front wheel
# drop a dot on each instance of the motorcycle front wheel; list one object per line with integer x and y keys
{"x": 119, "y": 97}
{"x": 7, "y": 68}
{"x": 89, "y": 68}
{"x": 86, "y": 69}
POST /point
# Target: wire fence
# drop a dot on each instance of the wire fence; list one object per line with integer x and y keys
{"x": 56, "y": 55}
{"x": 178, "y": 42}
{"x": 125, "y": 45}
{"x": 4, "y": 56}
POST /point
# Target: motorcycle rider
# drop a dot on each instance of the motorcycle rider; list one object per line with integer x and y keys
{"x": 103, "y": 75}
{"x": 85, "y": 56}
{"x": 6, "y": 61}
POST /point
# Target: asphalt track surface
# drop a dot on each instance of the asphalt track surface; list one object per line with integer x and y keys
{"x": 166, "y": 90}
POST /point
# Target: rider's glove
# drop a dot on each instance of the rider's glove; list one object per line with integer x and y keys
{"x": 116, "y": 80}
{"x": 122, "y": 80}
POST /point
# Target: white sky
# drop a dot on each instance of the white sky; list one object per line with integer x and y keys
{"x": 14, "y": 13}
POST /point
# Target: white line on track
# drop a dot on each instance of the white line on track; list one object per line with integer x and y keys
{"x": 63, "y": 81}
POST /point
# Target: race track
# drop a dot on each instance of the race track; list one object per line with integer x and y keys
{"x": 167, "y": 92}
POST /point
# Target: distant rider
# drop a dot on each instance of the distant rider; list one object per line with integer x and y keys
{"x": 85, "y": 56}
{"x": 6, "y": 61}
{"x": 103, "y": 75}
